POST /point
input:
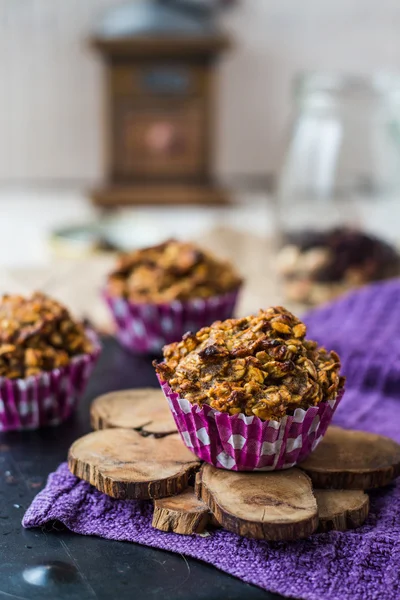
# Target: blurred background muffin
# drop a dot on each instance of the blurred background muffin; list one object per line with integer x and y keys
{"x": 157, "y": 294}
{"x": 46, "y": 358}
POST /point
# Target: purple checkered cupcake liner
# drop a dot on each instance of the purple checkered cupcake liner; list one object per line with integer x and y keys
{"x": 48, "y": 398}
{"x": 146, "y": 328}
{"x": 241, "y": 443}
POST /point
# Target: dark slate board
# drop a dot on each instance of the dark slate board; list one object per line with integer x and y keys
{"x": 54, "y": 564}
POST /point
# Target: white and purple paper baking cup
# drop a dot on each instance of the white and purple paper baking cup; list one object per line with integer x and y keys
{"x": 146, "y": 328}
{"x": 240, "y": 443}
{"x": 48, "y": 398}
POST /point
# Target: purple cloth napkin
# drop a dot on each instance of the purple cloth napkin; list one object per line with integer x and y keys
{"x": 363, "y": 564}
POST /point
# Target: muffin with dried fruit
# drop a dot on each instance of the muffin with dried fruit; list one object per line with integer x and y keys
{"x": 251, "y": 393}
{"x": 156, "y": 294}
{"x": 46, "y": 358}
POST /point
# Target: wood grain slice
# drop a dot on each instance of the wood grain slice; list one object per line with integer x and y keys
{"x": 354, "y": 460}
{"x": 124, "y": 464}
{"x": 270, "y": 506}
{"x": 183, "y": 513}
{"x": 340, "y": 510}
{"x": 145, "y": 409}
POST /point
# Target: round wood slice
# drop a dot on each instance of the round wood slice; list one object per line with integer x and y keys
{"x": 124, "y": 464}
{"x": 183, "y": 513}
{"x": 340, "y": 510}
{"x": 354, "y": 460}
{"x": 271, "y": 506}
{"x": 145, "y": 409}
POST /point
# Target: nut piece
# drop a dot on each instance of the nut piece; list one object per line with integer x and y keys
{"x": 37, "y": 334}
{"x": 259, "y": 365}
{"x": 171, "y": 271}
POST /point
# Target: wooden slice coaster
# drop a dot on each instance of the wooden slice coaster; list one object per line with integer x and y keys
{"x": 145, "y": 409}
{"x": 183, "y": 514}
{"x": 353, "y": 460}
{"x": 124, "y": 464}
{"x": 271, "y": 506}
{"x": 340, "y": 510}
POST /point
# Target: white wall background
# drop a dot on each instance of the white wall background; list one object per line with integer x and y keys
{"x": 51, "y": 94}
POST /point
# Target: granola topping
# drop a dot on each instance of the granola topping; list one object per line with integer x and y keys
{"x": 259, "y": 365}
{"x": 37, "y": 334}
{"x": 171, "y": 271}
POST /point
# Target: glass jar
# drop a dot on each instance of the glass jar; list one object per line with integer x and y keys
{"x": 339, "y": 187}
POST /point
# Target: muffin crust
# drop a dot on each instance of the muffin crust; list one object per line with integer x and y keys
{"x": 37, "y": 334}
{"x": 259, "y": 365}
{"x": 171, "y": 271}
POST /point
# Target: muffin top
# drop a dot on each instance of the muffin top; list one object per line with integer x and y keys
{"x": 37, "y": 334}
{"x": 171, "y": 271}
{"x": 259, "y": 365}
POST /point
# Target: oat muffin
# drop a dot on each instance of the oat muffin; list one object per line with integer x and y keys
{"x": 259, "y": 365}
{"x": 171, "y": 271}
{"x": 46, "y": 359}
{"x": 37, "y": 334}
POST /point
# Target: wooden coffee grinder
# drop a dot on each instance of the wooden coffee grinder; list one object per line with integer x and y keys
{"x": 159, "y": 59}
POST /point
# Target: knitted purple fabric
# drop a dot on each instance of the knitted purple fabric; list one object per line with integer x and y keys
{"x": 363, "y": 564}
